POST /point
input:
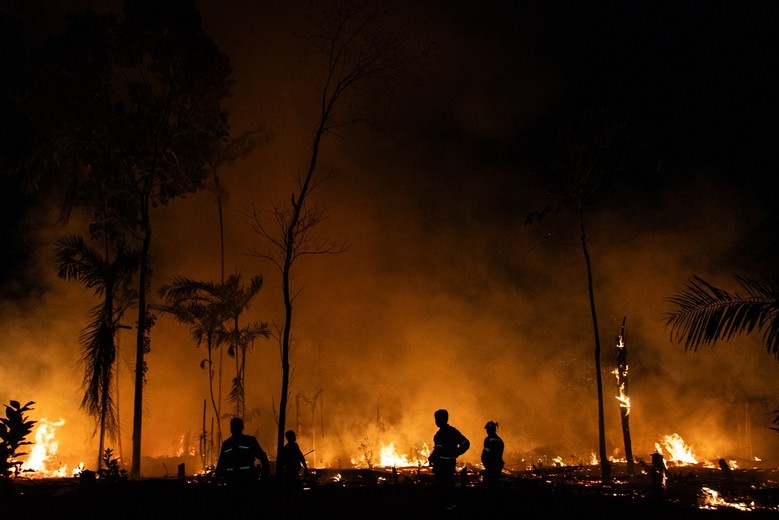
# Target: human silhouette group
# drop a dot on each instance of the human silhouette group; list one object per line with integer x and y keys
{"x": 237, "y": 467}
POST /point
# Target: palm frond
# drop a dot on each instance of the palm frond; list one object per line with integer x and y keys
{"x": 253, "y": 331}
{"x": 181, "y": 289}
{"x": 77, "y": 261}
{"x": 236, "y": 391}
{"x": 706, "y": 314}
{"x": 98, "y": 354}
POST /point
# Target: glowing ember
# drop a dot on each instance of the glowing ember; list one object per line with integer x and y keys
{"x": 675, "y": 449}
{"x": 711, "y": 499}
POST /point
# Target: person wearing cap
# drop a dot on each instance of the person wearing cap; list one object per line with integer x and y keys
{"x": 492, "y": 456}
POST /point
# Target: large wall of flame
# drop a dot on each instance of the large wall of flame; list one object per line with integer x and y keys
{"x": 444, "y": 298}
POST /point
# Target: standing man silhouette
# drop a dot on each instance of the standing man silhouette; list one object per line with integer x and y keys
{"x": 492, "y": 456}
{"x": 448, "y": 444}
{"x": 236, "y": 458}
{"x": 292, "y": 462}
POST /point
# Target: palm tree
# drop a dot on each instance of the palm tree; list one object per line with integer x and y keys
{"x": 205, "y": 320}
{"x": 357, "y": 50}
{"x": 227, "y": 151}
{"x": 705, "y": 314}
{"x": 236, "y": 300}
{"x": 111, "y": 281}
{"x": 224, "y": 303}
{"x": 580, "y": 166}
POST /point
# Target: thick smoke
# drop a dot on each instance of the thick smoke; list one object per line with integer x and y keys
{"x": 443, "y": 298}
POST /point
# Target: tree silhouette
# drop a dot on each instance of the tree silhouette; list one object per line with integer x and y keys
{"x": 579, "y": 166}
{"x": 129, "y": 104}
{"x": 205, "y": 319}
{"x": 236, "y": 299}
{"x": 109, "y": 280}
{"x": 356, "y": 48}
{"x": 228, "y": 150}
{"x": 226, "y": 304}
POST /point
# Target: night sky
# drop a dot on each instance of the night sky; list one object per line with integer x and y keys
{"x": 445, "y": 298}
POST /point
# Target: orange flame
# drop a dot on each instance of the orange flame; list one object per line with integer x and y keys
{"x": 388, "y": 457}
{"x": 44, "y": 448}
{"x": 676, "y": 449}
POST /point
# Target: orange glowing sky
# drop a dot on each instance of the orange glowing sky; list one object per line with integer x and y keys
{"x": 444, "y": 298}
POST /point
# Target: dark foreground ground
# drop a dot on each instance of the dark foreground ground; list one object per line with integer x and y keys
{"x": 367, "y": 495}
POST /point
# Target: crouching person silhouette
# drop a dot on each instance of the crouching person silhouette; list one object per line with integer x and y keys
{"x": 236, "y": 464}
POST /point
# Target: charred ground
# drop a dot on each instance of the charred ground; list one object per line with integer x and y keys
{"x": 569, "y": 492}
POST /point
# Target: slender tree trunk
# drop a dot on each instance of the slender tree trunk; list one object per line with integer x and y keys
{"x": 243, "y": 378}
{"x": 211, "y": 388}
{"x": 284, "y": 363}
{"x": 219, "y": 397}
{"x": 103, "y": 410}
{"x": 289, "y": 253}
{"x": 218, "y": 188}
{"x": 218, "y": 411}
{"x": 107, "y": 366}
{"x": 118, "y": 401}
{"x": 140, "y": 346}
{"x": 205, "y": 455}
{"x": 239, "y": 412}
{"x": 604, "y": 462}
{"x": 105, "y": 387}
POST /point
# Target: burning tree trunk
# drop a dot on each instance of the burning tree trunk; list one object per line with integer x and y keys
{"x": 623, "y": 397}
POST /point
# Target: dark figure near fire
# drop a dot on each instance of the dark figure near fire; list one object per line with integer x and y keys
{"x": 236, "y": 459}
{"x": 492, "y": 456}
{"x": 292, "y": 462}
{"x": 448, "y": 444}
{"x": 659, "y": 477}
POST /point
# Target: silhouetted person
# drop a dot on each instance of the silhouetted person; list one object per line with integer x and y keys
{"x": 448, "y": 444}
{"x": 492, "y": 456}
{"x": 237, "y": 456}
{"x": 659, "y": 476}
{"x": 292, "y": 462}
{"x": 725, "y": 467}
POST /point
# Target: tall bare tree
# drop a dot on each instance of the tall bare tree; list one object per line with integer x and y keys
{"x": 356, "y": 47}
{"x": 579, "y": 165}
